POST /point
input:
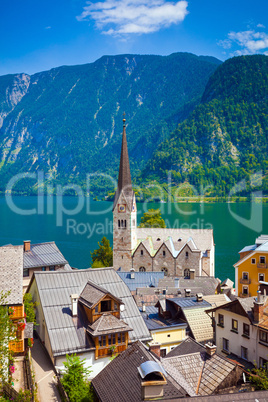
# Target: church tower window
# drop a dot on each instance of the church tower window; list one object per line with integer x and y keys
{"x": 142, "y": 269}
{"x": 164, "y": 253}
{"x": 141, "y": 252}
{"x": 118, "y": 223}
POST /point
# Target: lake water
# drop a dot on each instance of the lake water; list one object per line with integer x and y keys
{"x": 77, "y": 225}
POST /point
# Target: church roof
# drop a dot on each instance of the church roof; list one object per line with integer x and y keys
{"x": 124, "y": 178}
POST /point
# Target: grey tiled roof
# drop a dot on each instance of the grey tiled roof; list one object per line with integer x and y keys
{"x": 120, "y": 381}
{"x": 197, "y": 366}
{"x": 55, "y": 288}
{"x": 142, "y": 279}
{"x": 189, "y": 345}
{"x": 201, "y": 284}
{"x": 11, "y": 273}
{"x": 43, "y": 254}
{"x": 107, "y": 324}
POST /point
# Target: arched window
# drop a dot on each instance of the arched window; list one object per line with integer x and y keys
{"x": 141, "y": 252}
{"x": 142, "y": 269}
{"x": 187, "y": 273}
{"x": 165, "y": 270}
{"x": 125, "y": 223}
{"x": 122, "y": 223}
{"x": 119, "y": 223}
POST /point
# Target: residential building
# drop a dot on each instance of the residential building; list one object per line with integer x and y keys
{"x": 188, "y": 370}
{"x": 192, "y": 311}
{"x": 168, "y": 333}
{"x": 173, "y": 251}
{"x": 89, "y": 312}
{"x": 241, "y": 329}
{"x": 251, "y": 269}
{"x": 41, "y": 257}
{"x": 11, "y": 267}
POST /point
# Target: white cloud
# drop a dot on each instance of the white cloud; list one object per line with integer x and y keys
{"x": 249, "y": 42}
{"x": 119, "y": 17}
{"x": 260, "y": 26}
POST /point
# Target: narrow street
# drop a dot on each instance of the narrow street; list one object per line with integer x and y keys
{"x": 44, "y": 374}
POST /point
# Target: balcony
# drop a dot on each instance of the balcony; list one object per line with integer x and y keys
{"x": 245, "y": 281}
{"x": 244, "y": 294}
{"x": 262, "y": 265}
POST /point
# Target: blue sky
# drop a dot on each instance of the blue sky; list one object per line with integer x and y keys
{"x": 42, "y": 34}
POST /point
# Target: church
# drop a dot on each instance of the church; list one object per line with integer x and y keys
{"x": 176, "y": 252}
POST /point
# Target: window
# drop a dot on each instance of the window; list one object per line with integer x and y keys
{"x": 113, "y": 339}
{"x": 165, "y": 270}
{"x": 253, "y": 261}
{"x": 52, "y": 268}
{"x": 119, "y": 223}
{"x": 105, "y": 305}
{"x": 119, "y": 338}
{"x": 221, "y": 320}
{"x": 245, "y": 290}
{"x": 264, "y": 336}
{"x": 97, "y": 309}
{"x": 43, "y": 269}
{"x": 246, "y": 330}
{"x": 163, "y": 352}
{"x": 187, "y": 273}
{"x": 262, "y": 260}
{"x": 109, "y": 339}
{"x": 125, "y": 222}
{"x": 234, "y": 325}
{"x": 263, "y": 362}
{"x": 225, "y": 345}
{"x": 261, "y": 277}
{"x": 244, "y": 353}
{"x": 186, "y": 254}
{"x": 26, "y": 272}
{"x": 164, "y": 253}
{"x": 141, "y": 252}
{"x": 245, "y": 276}
{"x": 115, "y": 306}
{"x": 102, "y": 340}
{"x": 123, "y": 337}
{"x": 142, "y": 269}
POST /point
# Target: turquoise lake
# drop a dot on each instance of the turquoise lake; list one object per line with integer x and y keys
{"x": 76, "y": 225}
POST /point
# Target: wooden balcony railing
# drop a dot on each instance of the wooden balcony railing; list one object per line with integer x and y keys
{"x": 244, "y": 294}
{"x": 245, "y": 281}
{"x": 17, "y": 346}
{"x": 262, "y": 265}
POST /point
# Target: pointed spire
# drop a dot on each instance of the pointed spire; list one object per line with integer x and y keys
{"x": 124, "y": 177}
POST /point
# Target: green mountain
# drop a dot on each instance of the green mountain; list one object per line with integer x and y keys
{"x": 224, "y": 140}
{"x": 67, "y": 122}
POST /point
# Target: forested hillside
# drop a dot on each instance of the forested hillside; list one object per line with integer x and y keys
{"x": 225, "y": 138}
{"x": 67, "y": 122}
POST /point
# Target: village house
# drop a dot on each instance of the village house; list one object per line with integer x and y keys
{"x": 89, "y": 312}
{"x": 188, "y": 370}
{"x": 251, "y": 269}
{"x": 41, "y": 257}
{"x": 241, "y": 329}
{"x": 173, "y": 251}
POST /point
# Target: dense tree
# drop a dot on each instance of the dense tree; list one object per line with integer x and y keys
{"x": 152, "y": 219}
{"x": 29, "y": 307}
{"x": 103, "y": 256}
{"x": 259, "y": 378}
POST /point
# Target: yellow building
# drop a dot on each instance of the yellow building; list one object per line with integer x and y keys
{"x": 251, "y": 269}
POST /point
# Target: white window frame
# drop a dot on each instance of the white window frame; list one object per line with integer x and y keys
{"x": 253, "y": 259}
{"x": 244, "y": 272}
{"x": 262, "y": 280}
{"x": 245, "y": 287}
{"x": 263, "y": 256}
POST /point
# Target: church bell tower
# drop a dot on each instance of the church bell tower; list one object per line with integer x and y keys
{"x": 124, "y": 213}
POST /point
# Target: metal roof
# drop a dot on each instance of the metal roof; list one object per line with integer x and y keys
{"x": 189, "y": 302}
{"x": 141, "y": 279}
{"x": 248, "y": 248}
{"x": 11, "y": 275}
{"x": 42, "y": 255}
{"x": 55, "y": 288}
{"x": 150, "y": 367}
{"x": 154, "y": 322}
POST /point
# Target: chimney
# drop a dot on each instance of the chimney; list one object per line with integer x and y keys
{"x": 153, "y": 380}
{"x": 27, "y": 245}
{"x": 187, "y": 292}
{"x": 192, "y": 273}
{"x": 258, "y": 306}
{"x": 155, "y": 348}
{"x": 132, "y": 273}
{"x": 210, "y": 348}
{"x": 143, "y": 308}
{"x": 74, "y": 303}
{"x": 199, "y": 297}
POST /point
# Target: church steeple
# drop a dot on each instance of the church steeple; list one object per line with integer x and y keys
{"x": 124, "y": 177}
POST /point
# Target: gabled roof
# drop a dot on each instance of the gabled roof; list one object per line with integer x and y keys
{"x": 11, "y": 273}
{"x": 141, "y": 279}
{"x": 93, "y": 294}
{"x": 263, "y": 247}
{"x": 120, "y": 381}
{"x": 43, "y": 254}
{"x": 204, "y": 373}
{"x": 107, "y": 324}
{"x": 240, "y": 306}
{"x": 66, "y": 334}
